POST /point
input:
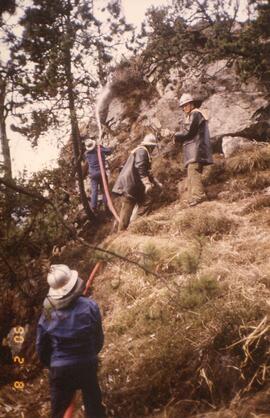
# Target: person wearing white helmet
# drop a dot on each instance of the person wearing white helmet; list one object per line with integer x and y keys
{"x": 196, "y": 147}
{"x": 135, "y": 181}
{"x": 69, "y": 338}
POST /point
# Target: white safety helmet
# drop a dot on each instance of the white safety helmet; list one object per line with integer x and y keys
{"x": 61, "y": 280}
{"x": 150, "y": 140}
{"x": 185, "y": 99}
{"x": 90, "y": 144}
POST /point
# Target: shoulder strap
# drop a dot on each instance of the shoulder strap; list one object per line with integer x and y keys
{"x": 141, "y": 146}
{"x": 204, "y": 113}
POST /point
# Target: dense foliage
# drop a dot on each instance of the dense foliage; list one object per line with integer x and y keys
{"x": 207, "y": 31}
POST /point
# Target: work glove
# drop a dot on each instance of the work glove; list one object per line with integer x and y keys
{"x": 148, "y": 188}
{"x": 158, "y": 183}
{"x": 147, "y": 184}
{"x": 178, "y": 138}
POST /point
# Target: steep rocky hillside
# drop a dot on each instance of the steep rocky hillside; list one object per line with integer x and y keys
{"x": 185, "y": 298}
{"x": 194, "y": 334}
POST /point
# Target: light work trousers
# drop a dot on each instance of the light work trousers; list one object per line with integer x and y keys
{"x": 128, "y": 204}
{"x": 194, "y": 182}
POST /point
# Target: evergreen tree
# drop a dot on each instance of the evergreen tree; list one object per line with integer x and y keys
{"x": 6, "y": 75}
{"x": 208, "y": 31}
{"x": 5, "y": 150}
{"x": 7, "y": 6}
{"x": 65, "y": 42}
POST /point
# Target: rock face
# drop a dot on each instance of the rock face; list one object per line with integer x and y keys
{"x": 115, "y": 112}
{"x": 235, "y": 109}
{"x": 230, "y": 144}
{"x": 163, "y": 114}
{"x": 232, "y": 112}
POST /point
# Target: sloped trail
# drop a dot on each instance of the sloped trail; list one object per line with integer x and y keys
{"x": 239, "y": 234}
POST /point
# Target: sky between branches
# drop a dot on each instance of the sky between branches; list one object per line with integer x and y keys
{"x": 24, "y": 157}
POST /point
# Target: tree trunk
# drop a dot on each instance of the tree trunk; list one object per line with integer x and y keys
{"x": 75, "y": 133}
{"x": 5, "y": 164}
{"x": 4, "y": 143}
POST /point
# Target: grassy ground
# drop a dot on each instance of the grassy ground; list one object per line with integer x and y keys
{"x": 186, "y": 323}
{"x": 193, "y": 336}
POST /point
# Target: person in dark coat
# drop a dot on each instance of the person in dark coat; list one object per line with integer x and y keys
{"x": 69, "y": 338}
{"x": 196, "y": 148}
{"x": 135, "y": 181}
{"x": 91, "y": 157}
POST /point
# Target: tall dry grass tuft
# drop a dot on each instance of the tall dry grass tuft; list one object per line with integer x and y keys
{"x": 161, "y": 349}
{"x": 259, "y": 180}
{"x": 147, "y": 226}
{"x": 203, "y": 222}
{"x": 257, "y": 158}
{"x": 256, "y": 204}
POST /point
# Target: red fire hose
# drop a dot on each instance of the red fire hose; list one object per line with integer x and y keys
{"x": 105, "y": 184}
{"x": 91, "y": 278}
{"x": 70, "y": 410}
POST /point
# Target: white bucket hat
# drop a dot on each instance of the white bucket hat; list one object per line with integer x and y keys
{"x": 90, "y": 144}
{"x": 150, "y": 140}
{"x": 61, "y": 280}
{"x": 185, "y": 99}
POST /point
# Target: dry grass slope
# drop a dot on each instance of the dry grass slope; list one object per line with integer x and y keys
{"x": 193, "y": 335}
{"x": 187, "y": 328}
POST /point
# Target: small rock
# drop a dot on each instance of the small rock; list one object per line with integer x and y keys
{"x": 267, "y": 191}
{"x": 230, "y": 144}
{"x": 155, "y": 312}
{"x": 115, "y": 283}
{"x": 165, "y": 132}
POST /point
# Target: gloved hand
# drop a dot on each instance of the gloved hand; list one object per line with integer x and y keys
{"x": 158, "y": 183}
{"x": 147, "y": 184}
{"x": 177, "y": 138}
{"x": 148, "y": 188}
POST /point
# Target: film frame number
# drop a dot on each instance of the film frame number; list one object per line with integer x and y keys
{"x": 18, "y": 385}
{"x": 18, "y": 338}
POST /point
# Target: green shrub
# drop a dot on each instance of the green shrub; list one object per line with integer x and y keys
{"x": 151, "y": 254}
{"x": 199, "y": 291}
{"x": 186, "y": 262}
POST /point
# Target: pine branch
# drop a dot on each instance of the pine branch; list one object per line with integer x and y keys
{"x": 73, "y": 232}
{"x": 37, "y": 196}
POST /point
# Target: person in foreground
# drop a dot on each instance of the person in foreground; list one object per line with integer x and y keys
{"x": 69, "y": 338}
{"x": 196, "y": 148}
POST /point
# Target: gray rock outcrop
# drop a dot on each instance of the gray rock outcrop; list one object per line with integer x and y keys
{"x": 237, "y": 112}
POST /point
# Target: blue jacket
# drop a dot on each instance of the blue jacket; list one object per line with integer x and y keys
{"x": 72, "y": 335}
{"x": 92, "y": 159}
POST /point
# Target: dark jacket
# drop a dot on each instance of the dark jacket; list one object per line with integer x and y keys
{"x": 72, "y": 335}
{"x": 92, "y": 159}
{"x": 137, "y": 166}
{"x": 196, "y": 140}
